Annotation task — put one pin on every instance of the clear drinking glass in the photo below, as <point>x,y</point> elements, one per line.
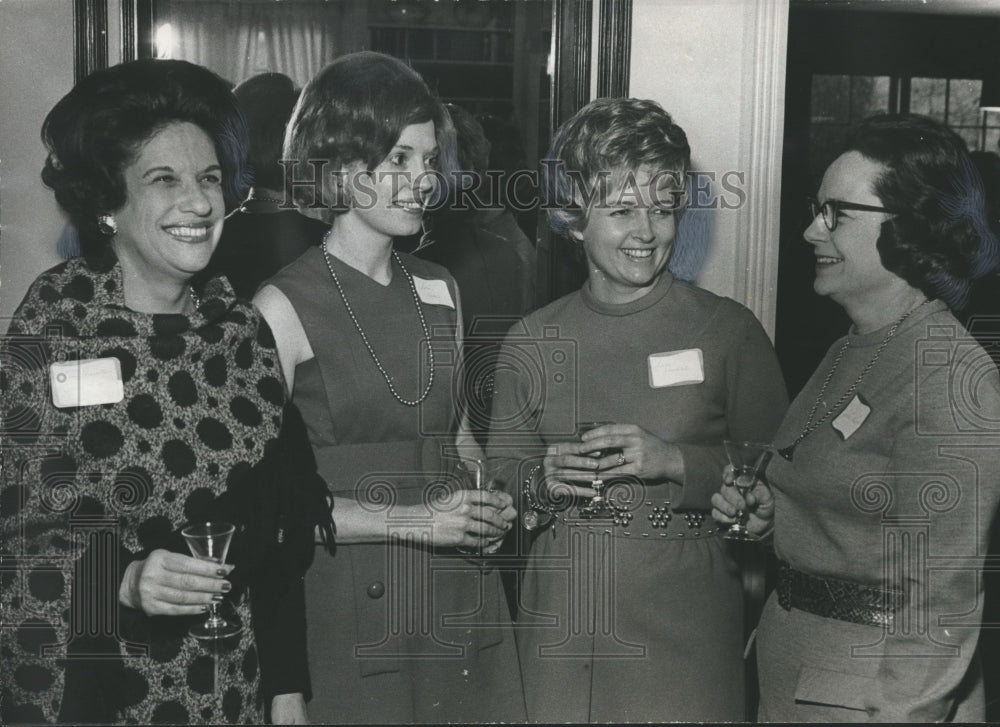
<point>478,474</point>
<point>749,461</point>
<point>598,507</point>
<point>210,541</point>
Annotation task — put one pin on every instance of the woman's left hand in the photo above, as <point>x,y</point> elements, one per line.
<point>643,455</point>
<point>289,709</point>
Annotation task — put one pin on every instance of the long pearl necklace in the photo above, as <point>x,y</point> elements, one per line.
<point>364,338</point>
<point>810,426</point>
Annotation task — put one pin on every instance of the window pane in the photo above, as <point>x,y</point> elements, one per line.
<point>825,144</point>
<point>992,140</point>
<point>927,97</point>
<point>971,135</point>
<point>830,99</point>
<point>869,95</point>
<point>963,102</point>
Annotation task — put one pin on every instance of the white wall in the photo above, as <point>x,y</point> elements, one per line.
<point>718,67</point>
<point>36,70</point>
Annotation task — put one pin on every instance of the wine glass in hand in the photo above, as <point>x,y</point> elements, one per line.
<point>597,508</point>
<point>749,460</point>
<point>210,541</point>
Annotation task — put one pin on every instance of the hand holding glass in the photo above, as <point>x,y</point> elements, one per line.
<point>749,460</point>
<point>479,474</point>
<point>210,541</point>
<point>597,508</point>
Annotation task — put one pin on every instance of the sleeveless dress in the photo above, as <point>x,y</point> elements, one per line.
<point>399,632</point>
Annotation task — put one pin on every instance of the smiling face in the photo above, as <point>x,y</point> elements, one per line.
<point>848,267</point>
<point>390,201</point>
<point>628,237</point>
<point>172,217</point>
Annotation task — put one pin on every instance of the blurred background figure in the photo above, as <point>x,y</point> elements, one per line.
<point>264,234</point>
<point>478,240</point>
<point>507,154</point>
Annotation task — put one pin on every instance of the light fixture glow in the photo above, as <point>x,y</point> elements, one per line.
<point>166,41</point>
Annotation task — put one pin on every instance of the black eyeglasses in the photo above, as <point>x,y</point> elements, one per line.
<point>831,207</point>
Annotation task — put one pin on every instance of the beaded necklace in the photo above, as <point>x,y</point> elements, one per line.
<point>364,338</point>
<point>789,451</point>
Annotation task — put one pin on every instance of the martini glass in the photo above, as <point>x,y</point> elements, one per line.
<point>210,541</point>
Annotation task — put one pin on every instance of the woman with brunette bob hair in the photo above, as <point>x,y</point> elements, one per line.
<point>144,401</point>
<point>402,626</point>
<point>631,603</point>
<point>885,477</point>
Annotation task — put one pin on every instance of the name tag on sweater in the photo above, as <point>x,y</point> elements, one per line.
<point>433,292</point>
<point>87,382</point>
<point>853,416</point>
<point>676,368</point>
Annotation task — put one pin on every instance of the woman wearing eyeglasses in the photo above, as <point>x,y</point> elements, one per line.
<point>887,471</point>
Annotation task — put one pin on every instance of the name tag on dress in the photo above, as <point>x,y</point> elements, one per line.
<point>87,382</point>
<point>433,292</point>
<point>853,416</point>
<point>676,368</point>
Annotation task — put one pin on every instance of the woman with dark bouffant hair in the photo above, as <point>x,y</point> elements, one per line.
<point>886,476</point>
<point>142,402</point>
<point>402,626</point>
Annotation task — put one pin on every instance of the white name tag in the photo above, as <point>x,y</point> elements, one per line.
<point>433,292</point>
<point>87,382</point>
<point>853,416</point>
<point>676,368</point>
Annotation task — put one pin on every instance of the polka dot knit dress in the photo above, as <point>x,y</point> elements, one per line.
<point>88,489</point>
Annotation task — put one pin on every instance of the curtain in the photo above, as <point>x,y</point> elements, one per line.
<point>239,39</point>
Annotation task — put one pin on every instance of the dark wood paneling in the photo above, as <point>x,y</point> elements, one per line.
<point>615,48</point>
<point>90,37</point>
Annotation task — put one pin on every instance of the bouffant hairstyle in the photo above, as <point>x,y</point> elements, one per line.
<point>355,110</point>
<point>267,100</point>
<point>938,239</point>
<point>608,135</point>
<point>96,130</point>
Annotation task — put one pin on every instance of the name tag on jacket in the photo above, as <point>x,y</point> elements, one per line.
<point>87,382</point>
<point>433,292</point>
<point>676,368</point>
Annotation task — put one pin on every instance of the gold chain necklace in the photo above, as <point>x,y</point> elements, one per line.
<point>810,427</point>
<point>364,338</point>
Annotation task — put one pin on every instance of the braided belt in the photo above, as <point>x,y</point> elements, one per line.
<point>834,598</point>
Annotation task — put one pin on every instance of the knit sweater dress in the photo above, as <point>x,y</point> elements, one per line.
<point>896,488</point>
<point>640,622</point>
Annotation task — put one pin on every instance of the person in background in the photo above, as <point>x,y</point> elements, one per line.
<point>477,239</point>
<point>266,232</point>
<point>507,154</point>
<point>633,614</point>
<point>401,627</point>
<point>886,476</point>
<point>140,402</point>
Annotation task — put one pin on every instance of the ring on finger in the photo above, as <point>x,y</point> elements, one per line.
<point>621,459</point>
